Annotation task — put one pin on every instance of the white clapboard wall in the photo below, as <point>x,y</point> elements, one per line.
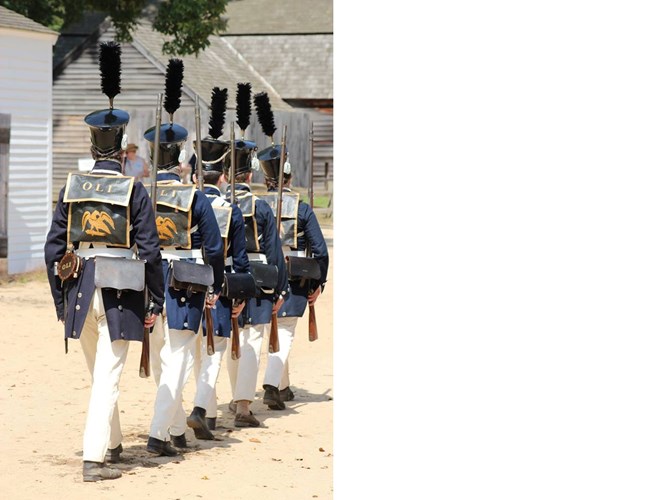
<point>26,95</point>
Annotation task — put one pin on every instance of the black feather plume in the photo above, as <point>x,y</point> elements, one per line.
<point>218,112</point>
<point>110,68</point>
<point>173,84</point>
<point>243,105</point>
<point>264,113</point>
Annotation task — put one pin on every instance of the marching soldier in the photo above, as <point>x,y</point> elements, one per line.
<point>189,236</point>
<point>301,234</point>
<point>299,231</point>
<point>231,225</point>
<point>267,266</point>
<point>95,278</point>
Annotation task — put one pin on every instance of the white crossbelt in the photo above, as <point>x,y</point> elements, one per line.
<point>195,253</point>
<point>105,252</point>
<point>294,253</point>
<point>257,257</point>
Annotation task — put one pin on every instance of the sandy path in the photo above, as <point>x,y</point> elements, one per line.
<point>44,396</point>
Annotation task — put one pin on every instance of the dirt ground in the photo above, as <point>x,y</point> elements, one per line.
<point>44,396</point>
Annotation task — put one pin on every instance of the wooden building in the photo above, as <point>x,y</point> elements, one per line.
<point>25,140</point>
<point>291,44</point>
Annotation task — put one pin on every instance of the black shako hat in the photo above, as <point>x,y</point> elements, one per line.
<point>171,151</point>
<point>269,159</point>
<point>213,153</point>
<point>172,142</point>
<point>107,126</point>
<point>213,149</point>
<point>243,158</point>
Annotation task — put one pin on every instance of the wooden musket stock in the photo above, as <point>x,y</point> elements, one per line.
<point>144,356</point>
<point>235,352</point>
<point>313,329</point>
<point>274,345</point>
<point>209,327</point>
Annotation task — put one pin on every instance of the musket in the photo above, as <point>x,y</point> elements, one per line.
<point>207,310</point>
<point>274,344</point>
<point>209,327</point>
<point>235,351</point>
<point>199,163</point>
<point>313,328</point>
<point>311,165</point>
<point>283,154</point>
<point>145,370</point>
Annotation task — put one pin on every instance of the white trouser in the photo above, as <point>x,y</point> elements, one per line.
<point>285,376</point>
<point>277,361</point>
<point>243,372</point>
<point>206,373</point>
<point>172,357</point>
<point>156,343</point>
<point>105,360</point>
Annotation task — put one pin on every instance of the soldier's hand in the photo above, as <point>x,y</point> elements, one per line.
<point>237,309</point>
<point>313,296</point>
<point>278,304</point>
<point>150,320</point>
<point>211,299</point>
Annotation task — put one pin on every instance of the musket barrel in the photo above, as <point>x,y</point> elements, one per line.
<point>311,165</point>
<point>199,162</point>
<point>156,147</point>
<point>283,154</point>
<point>233,159</point>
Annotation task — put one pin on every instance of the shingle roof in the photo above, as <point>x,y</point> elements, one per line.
<point>219,65</point>
<point>298,66</point>
<point>248,17</point>
<point>11,19</point>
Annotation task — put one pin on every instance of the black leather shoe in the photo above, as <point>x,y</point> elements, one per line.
<point>113,456</point>
<point>212,423</point>
<point>94,471</point>
<point>287,394</point>
<point>197,422</point>
<point>272,398</point>
<point>179,441</point>
<point>246,420</point>
<point>160,448</point>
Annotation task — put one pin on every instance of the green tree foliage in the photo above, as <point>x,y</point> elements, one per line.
<point>189,23</point>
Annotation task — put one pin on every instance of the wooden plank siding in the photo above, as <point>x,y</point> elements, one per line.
<point>323,151</point>
<point>27,96</point>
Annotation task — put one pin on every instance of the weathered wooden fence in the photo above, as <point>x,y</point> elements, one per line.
<point>5,133</point>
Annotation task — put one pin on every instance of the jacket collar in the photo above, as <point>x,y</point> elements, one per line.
<point>168,176</point>
<point>107,166</point>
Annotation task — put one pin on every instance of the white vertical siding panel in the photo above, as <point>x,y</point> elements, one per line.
<point>26,93</point>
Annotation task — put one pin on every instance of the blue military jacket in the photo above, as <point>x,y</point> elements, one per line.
<point>309,233</point>
<point>258,310</point>
<point>124,314</point>
<point>184,310</point>
<point>236,250</point>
